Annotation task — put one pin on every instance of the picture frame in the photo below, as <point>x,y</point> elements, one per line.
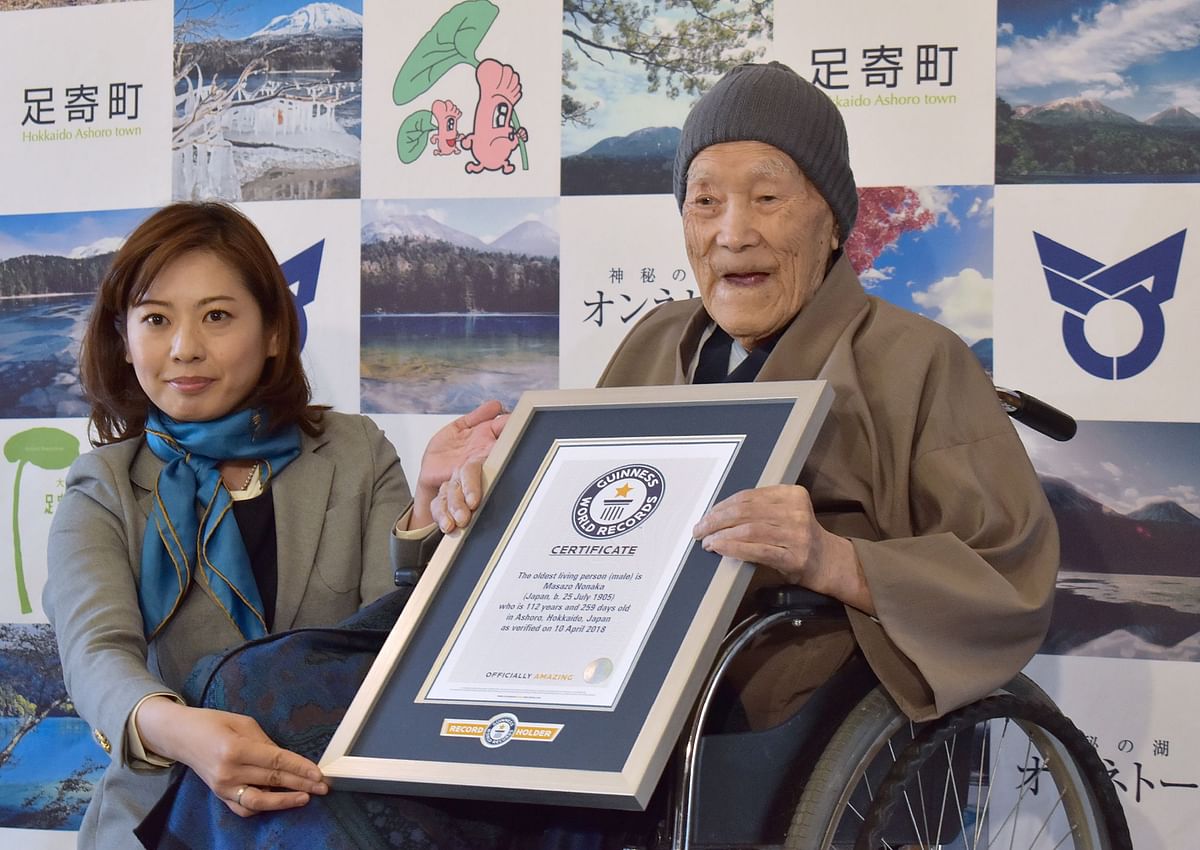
<point>552,651</point>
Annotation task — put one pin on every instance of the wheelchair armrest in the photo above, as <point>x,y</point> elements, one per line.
<point>407,576</point>
<point>802,601</point>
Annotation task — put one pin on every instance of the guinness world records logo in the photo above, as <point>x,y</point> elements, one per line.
<point>500,730</point>
<point>618,501</point>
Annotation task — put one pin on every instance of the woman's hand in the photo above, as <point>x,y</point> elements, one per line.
<point>231,754</point>
<point>466,440</point>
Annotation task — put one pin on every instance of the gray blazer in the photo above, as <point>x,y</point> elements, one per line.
<point>335,507</point>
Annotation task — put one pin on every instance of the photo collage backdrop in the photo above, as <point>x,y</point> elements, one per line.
<point>1027,175</point>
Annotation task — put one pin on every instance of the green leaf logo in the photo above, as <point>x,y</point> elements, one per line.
<point>45,448</point>
<point>413,137</point>
<point>453,40</point>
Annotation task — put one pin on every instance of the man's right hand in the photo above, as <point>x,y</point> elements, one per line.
<point>458,497</point>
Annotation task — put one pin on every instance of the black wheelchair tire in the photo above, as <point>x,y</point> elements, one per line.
<point>876,730</point>
<point>866,733</point>
<point>1092,817</point>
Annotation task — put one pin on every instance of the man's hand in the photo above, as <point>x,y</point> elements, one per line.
<point>458,497</point>
<point>465,441</point>
<point>775,527</point>
<point>232,755</point>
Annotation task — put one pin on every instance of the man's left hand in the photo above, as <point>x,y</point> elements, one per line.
<point>776,527</point>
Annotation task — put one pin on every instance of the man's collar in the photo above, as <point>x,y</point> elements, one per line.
<point>805,342</point>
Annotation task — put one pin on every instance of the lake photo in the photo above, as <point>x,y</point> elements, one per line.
<point>39,344</point>
<point>51,265</point>
<point>459,303</point>
<point>49,761</point>
<point>1126,497</point>
<point>450,363</point>
<point>33,791</point>
<point>1126,616</point>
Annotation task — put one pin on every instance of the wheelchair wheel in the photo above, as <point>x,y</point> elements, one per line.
<point>1009,771</point>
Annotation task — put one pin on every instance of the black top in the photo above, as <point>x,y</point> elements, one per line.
<point>713,365</point>
<point>256,520</point>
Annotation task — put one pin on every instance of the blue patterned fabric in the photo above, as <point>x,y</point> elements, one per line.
<point>297,685</point>
<point>177,542</point>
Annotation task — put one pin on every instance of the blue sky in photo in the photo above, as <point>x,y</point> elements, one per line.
<point>944,272</point>
<point>1038,15</point>
<point>619,86</point>
<point>1136,56</point>
<point>483,218</point>
<point>1125,465</point>
<point>240,18</point>
<point>58,234</point>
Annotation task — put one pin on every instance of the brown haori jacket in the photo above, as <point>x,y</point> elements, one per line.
<point>918,465</point>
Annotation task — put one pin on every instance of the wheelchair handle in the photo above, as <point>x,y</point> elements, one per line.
<point>1041,417</point>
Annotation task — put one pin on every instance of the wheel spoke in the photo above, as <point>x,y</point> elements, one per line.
<point>912,817</point>
<point>987,801</point>
<point>1050,814</point>
<point>950,785</point>
<point>982,797</point>
<point>921,801</point>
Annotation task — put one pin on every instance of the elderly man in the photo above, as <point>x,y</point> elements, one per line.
<point>918,507</point>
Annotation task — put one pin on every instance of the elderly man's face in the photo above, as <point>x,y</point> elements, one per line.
<point>759,236</point>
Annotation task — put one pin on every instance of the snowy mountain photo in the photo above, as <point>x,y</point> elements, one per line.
<point>268,102</point>
<point>328,19</point>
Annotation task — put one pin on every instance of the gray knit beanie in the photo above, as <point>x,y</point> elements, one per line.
<point>773,104</point>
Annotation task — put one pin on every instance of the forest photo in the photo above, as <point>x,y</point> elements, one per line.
<point>632,70</point>
<point>1097,91</point>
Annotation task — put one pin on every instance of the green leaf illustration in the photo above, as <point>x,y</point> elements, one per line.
<point>452,41</point>
<point>46,448</point>
<point>413,136</point>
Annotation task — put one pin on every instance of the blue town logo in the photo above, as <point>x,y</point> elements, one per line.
<point>1144,281</point>
<point>618,501</point>
<point>303,271</point>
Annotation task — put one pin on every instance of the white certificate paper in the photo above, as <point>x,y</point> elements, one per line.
<point>564,609</point>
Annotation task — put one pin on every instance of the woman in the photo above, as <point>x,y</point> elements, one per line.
<point>219,507</point>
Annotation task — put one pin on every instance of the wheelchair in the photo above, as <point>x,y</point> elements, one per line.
<point>851,772</point>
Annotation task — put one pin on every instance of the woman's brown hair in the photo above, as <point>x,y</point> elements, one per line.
<point>119,405</point>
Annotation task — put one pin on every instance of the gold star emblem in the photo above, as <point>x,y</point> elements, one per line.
<point>623,490</point>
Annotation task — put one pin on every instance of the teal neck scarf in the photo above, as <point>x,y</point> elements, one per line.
<point>191,525</point>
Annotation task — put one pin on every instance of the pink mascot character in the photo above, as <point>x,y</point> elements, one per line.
<point>445,140</point>
<point>493,138</point>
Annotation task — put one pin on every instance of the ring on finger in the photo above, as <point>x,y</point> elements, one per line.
<point>237,798</point>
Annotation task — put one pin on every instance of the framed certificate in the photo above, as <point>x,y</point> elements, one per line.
<point>552,652</point>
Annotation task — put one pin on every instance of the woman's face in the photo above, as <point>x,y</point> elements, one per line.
<point>196,339</point>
